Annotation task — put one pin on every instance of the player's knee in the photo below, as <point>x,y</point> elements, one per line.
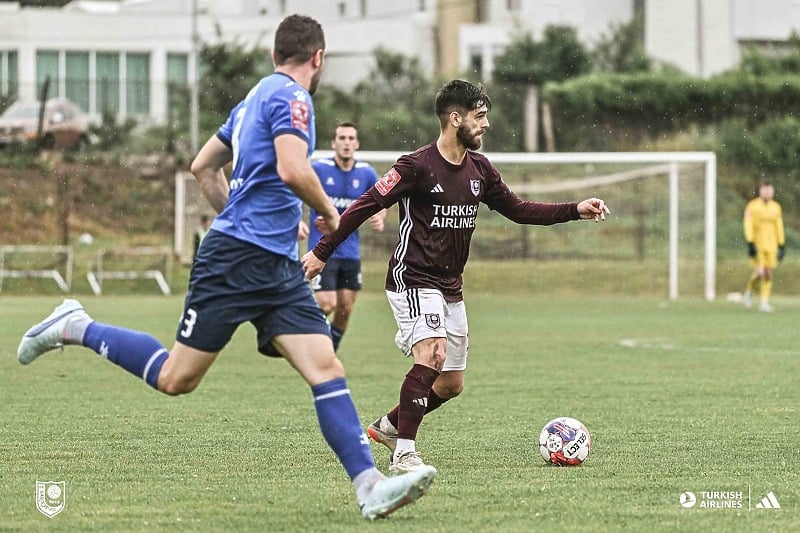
<point>431,352</point>
<point>173,385</point>
<point>326,307</point>
<point>450,391</point>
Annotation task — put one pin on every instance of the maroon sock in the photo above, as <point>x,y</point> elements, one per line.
<point>434,401</point>
<point>414,400</point>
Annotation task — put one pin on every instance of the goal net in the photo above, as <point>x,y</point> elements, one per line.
<point>663,217</point>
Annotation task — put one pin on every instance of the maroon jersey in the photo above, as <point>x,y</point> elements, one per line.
<point>438,204</point>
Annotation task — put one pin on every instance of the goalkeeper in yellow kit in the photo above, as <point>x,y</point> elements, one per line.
<point>763,230</point>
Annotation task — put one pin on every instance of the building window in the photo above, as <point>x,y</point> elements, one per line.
<point>476,59</point>
<point>137,84</point>
<point>342,9</point>
<point>513,5</point>
<point>47,69</point>
<point>9,74</point>
<point>107,83</point>
<point>483,12</point>
<point>177,85</point>
<point>76,68</point>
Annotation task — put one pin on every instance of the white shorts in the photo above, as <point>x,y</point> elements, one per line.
<point>424,314</point>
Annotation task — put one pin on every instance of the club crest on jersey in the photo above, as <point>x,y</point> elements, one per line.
<point>433,320</point>
<point>301,114</point>
<point>356,183</point>
<point>475,187</point>
<point>387,182</point>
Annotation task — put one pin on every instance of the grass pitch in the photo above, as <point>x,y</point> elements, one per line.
<point>686,396</point>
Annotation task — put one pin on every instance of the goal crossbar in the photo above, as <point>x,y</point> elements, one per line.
<point>669,164</point>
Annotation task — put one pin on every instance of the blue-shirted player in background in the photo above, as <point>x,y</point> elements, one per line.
<point>344,179</point>
<point>247,268</point>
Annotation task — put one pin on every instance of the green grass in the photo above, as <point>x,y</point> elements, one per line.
<point>685,396</point>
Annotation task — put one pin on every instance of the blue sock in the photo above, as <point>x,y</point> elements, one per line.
<point>138,353</point>
<point>341,427</point>
<point>336,336</point>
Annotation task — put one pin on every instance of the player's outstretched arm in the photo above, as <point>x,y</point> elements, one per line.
<point>207,169</point>
<point>593,208</point>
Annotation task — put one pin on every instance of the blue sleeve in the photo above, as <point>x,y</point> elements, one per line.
<point>225,132</point>
<point>291,111</point>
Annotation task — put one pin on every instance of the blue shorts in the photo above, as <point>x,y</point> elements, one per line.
<point>339,274</point>
<point>232,282</point>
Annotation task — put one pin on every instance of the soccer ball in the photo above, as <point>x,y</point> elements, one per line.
<point>565,442</point>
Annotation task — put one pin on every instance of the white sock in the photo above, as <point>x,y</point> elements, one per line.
<point>364,482</point>
<point>75,328</point>
<point>404,445</point>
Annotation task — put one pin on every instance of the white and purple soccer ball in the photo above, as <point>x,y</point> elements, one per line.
<point>565,441</point>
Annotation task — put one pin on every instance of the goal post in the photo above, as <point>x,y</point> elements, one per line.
<point>190,205</point>
<point>645,165</point>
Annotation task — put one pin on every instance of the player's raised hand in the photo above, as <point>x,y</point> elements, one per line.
<point>327,224</point>
<point>593,208</point>
<point>311,265</point>
<point>302,231</point>
<point>376,220</point>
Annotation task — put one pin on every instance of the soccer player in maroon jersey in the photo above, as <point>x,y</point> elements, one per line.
<point>438,189</point>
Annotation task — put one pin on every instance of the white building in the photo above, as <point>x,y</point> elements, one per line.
<point>707,37</point>
<point>125,55</point>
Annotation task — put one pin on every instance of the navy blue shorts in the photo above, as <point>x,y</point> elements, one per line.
<point>232,282</point>
<point>339,274</point>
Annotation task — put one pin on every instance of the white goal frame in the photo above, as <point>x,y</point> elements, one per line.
<point>63,281</point>
<point>671,160</point>
<point>97,272</point>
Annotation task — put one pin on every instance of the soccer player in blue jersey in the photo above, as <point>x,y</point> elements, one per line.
<point>247,268</point>
<point>344,179</point>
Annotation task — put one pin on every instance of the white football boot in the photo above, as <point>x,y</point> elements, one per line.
<point>49,333</point>
<point>408,461</point>
<point>391,493</point>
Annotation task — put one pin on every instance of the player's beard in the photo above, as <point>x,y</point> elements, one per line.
<point>471,140</point>
<point>314,82</point>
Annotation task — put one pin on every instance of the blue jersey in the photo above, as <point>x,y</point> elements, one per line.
<point>343,188</point>
<point>262,209</point>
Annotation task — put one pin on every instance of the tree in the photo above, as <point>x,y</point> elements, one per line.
<point>393,106</point>
<point>557,57</point>
<point>228,71</point>
<point>526,65</point>
<point>622,50</point>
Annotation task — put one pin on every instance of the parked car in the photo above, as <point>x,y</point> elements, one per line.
<point>64,125</point>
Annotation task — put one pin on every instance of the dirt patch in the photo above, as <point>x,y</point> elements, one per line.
<point>56,200</point>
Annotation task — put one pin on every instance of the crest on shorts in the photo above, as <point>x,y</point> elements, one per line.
<point>51,497</point>
<point>433,320</point>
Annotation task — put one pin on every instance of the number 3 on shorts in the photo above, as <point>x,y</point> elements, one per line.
<point>189,321</point>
